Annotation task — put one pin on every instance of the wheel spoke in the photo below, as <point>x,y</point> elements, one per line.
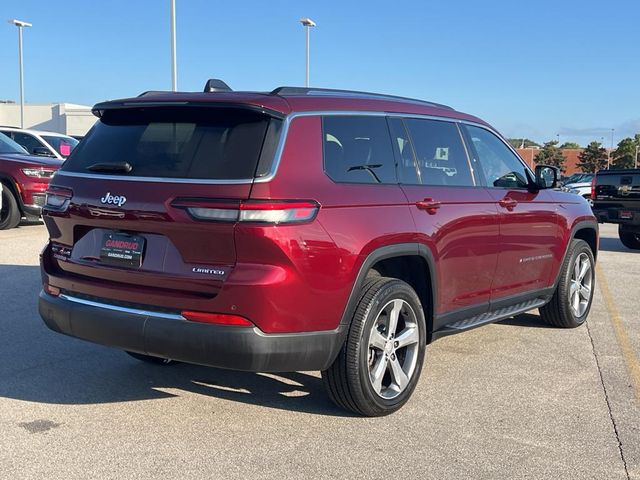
<point>576,270</point>
<point>584,268</point>
<point>576,303</point>
<point>393,317</point>
<point>575,286</point>
<point>377,340</point>
<point>377,373</point>
<point>399,377</point>
<point>585,292</point>
<point>408,336</point>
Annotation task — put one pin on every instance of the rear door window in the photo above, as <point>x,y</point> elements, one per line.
<point>357,149</point>
<point>181,143</point>
<point>440,153</point>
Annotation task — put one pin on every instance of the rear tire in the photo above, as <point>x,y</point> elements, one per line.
<point>379,365</point>
<point>10,211</point>
<point>629,239</point>
<point>571,302</point>
<point>151,359</point>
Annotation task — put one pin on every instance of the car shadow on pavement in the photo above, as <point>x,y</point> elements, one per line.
<point>526,320</point>
<point>38,365</point>
<point>609,244</point>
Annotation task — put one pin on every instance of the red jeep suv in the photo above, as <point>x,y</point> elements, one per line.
<point>305,229</point>
<point>24,179</point>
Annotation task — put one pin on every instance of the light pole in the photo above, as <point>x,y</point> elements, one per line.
<point>20,24</point>
<point>635,160</point>
<point>609,153</point>
<point>174,73</point>
<point>307,23</point>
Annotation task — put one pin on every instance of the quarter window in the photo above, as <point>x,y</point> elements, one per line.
<point>440,153</point>
<point>357,149</point>
<point>501,167</point>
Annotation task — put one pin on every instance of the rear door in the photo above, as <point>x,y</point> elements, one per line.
<point>452,211</point>
<point>148,187</point>
<point>530,235</point>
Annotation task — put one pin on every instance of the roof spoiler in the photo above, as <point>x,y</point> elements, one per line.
<point>216,85</point>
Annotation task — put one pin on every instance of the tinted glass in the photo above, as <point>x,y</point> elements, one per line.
<point>63,145</point>
<point>9,146</point>
<point>358,149</point>
<point>29,142</point>
<point>407,168</point>
<point>198,143</point>
<point>440,152</point>
<point>501,167</point>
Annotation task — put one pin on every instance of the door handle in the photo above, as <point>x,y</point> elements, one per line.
<point>429,205</point>
<point>508,203</point>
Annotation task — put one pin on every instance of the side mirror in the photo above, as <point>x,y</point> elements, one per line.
<point>547,176</point>
<point>42,152</point>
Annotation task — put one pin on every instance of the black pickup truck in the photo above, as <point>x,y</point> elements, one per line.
<point>616,199</point>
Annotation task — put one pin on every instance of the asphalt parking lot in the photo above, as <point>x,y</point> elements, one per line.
<point>511,400</point>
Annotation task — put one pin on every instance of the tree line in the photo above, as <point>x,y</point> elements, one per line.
<point>593,158</point>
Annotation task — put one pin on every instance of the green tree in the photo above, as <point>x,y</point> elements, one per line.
<point>550,154</point>
<point>625,155</point>
<point>592,158</point>
<point>522,142</point>
<point>569,145</point>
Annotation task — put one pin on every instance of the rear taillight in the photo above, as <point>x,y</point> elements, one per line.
<point>216,318</point>
<point>39,173</point>
<point>593,188</point>
<point>58,199</point>
<point>251,211</point>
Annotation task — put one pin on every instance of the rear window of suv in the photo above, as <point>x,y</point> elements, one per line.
<point>184,143</point>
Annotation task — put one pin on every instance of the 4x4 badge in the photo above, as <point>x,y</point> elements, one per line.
<point>109,199</point>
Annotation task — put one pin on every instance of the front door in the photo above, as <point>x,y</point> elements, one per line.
<point>528,220</point>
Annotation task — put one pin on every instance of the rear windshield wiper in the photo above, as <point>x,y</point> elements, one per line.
<point>368,169</point>
<point>113,167</point>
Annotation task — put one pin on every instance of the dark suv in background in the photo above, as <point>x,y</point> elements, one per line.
<point>24,179</point>
<point>305,229</point>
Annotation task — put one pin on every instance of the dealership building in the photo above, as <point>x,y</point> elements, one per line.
<point>67,118</point>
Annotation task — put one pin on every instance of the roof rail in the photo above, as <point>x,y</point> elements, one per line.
<point>351,93</point>
<point>154,92</point>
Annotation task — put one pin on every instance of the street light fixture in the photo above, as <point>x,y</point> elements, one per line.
<point>307,23</point>
<point>174,72</point>
<point>20,24</point>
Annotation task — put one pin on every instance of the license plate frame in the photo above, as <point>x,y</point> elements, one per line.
<point>122,249</point>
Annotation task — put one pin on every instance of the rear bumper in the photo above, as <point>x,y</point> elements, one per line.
<point>171,336</point>
<point>612,215</point>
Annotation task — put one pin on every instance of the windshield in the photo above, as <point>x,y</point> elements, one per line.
<point>194,143</point>
<point>62,145</point>
<point>9,146</point>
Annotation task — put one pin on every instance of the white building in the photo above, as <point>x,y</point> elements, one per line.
<point>67,118</point>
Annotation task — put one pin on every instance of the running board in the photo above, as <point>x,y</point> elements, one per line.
<point>488,317</point>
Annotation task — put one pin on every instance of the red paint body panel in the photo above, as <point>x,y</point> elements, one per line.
<point>11,171</point>
<point>462,235</point>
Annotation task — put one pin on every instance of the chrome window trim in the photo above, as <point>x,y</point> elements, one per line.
<point>281,145</point>
<point>134,311</point>
<point>356,113</point>
<point>203,181</point>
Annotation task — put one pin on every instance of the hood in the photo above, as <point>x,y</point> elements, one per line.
<point>32,160</point>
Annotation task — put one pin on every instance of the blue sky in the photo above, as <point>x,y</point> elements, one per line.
<point>531,69</point>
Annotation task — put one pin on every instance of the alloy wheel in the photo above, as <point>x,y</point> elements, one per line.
<point>581,284</point>
<point>393,349</point>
